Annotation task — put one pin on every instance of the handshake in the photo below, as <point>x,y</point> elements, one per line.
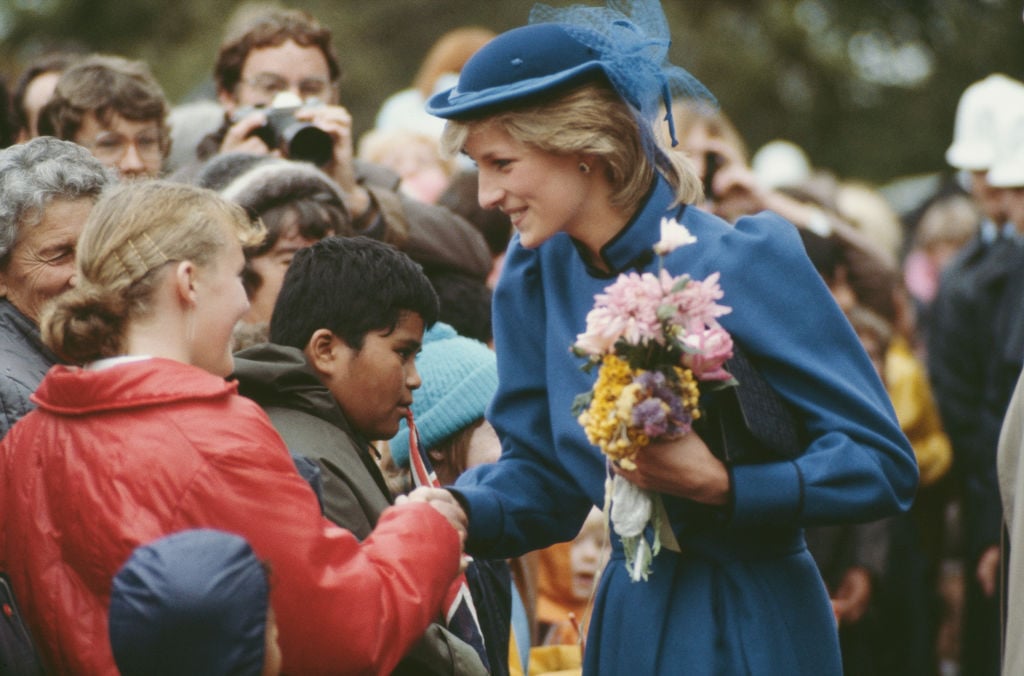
<point>444,502</point>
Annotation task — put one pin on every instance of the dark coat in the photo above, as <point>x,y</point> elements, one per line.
<point>312,424</point>
<point>964,351</point>
<point>24,360</point>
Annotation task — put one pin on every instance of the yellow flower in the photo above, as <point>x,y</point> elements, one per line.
<point>607,420</point>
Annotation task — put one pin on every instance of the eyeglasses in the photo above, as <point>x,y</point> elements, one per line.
<point>111,147</point>
<point>270,85</point>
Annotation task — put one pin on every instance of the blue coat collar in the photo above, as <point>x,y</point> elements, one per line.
<point>631,247</point>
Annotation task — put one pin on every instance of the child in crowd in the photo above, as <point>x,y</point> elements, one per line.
<point>339,372</point>
<point>194,602</point>
<point>415,156</point>
<point>568,575</point>
<point>459,377</point>
<point>298,204</point>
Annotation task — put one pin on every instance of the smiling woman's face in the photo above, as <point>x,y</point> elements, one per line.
<point>41,264</point>
<point>542,193</point>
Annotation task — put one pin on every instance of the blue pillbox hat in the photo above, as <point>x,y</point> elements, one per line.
<point>519,64</point>
<point>626,42</point>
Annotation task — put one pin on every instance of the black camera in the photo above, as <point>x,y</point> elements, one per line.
<point>295,139</point>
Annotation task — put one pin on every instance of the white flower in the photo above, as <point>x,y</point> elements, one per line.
<point>631,508</point>
<point>673,236</point>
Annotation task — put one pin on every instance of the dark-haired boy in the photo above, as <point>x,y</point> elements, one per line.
<point>338,373</point>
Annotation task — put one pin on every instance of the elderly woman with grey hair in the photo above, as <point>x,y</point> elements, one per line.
<point>47,189</point>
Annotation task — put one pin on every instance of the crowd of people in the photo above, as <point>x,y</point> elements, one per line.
<point>275,399</point>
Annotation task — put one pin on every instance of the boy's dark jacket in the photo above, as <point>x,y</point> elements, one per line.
<point>311,423</point>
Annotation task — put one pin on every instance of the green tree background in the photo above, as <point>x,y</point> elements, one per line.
<point>869,88</point>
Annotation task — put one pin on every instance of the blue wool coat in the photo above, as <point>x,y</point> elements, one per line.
<point>744,596</point>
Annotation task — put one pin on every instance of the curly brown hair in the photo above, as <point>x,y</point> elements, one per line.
<point>103,85</point>
<point>270,29</point>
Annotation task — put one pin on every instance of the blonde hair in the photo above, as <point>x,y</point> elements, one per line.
<point>379,145</point>
<point>865,208</point>
<point>952,219</point>
<point>592,120</point>
<point>134,230</point>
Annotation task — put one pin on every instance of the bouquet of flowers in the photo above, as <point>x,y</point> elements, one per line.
<point>654,338</point>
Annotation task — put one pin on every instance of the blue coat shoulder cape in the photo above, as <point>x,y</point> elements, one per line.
<point>744,596</point>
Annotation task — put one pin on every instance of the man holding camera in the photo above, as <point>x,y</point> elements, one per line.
<point>281,71</point>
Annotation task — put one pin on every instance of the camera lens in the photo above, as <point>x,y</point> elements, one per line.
<point>308,143</point>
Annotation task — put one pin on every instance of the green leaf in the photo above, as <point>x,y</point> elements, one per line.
<point>719,385</point>
<point>681,284</point>
<point>581,402</point>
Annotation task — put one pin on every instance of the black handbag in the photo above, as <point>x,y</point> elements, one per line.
<point>18,654</point>
<point>748,422</point>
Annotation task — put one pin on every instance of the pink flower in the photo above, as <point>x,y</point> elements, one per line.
<point>712,347</point>
<point>627,310</point>
<point>603,330</point>
<point>695,304</point>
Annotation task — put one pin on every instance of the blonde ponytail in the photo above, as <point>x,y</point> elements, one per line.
<point>132,233</point>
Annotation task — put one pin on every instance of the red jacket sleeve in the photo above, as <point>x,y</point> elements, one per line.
<point>341,606</point>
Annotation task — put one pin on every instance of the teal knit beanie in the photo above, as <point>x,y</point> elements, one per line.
<point>460,376</point>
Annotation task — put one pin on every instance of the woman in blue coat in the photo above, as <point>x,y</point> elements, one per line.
<point>560,118</point>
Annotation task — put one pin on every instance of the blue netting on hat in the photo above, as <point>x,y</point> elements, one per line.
<point>632,37</point>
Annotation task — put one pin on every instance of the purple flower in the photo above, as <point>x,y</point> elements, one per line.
<point>661,413</point>
<point>650,414</point>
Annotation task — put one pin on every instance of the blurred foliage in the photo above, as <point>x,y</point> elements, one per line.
<point>868,88</point>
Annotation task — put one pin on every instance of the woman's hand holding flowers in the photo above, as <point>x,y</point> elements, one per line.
<point>684,467</point>
<point>656,340</point>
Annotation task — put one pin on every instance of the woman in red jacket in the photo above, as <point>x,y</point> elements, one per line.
<point>149,439</point>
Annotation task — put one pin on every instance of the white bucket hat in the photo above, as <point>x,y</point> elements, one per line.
<point>984,109</point>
